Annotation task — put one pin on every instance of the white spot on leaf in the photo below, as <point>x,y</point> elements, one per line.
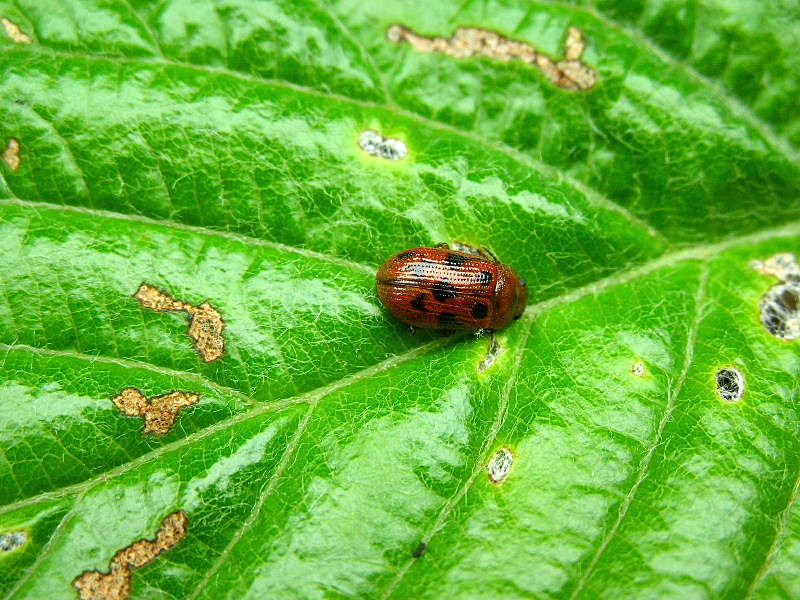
<point>12,540</point>
<point>374,144</point>
<point>14,32</point>
<point>500,465</point>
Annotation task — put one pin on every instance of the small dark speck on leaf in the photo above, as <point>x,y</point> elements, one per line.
<point>420,549</point>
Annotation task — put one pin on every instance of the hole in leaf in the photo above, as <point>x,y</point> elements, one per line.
<point>500,465</point>
<point>730,384</point>
<point>780,306</point>
<point>374,144</point>
<point>12,540</point>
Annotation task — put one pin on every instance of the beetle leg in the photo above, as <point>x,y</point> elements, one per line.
<point>413,329</point>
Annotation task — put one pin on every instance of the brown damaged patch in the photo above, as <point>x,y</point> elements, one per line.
<point>10,155</point>
<point>206,325</point>
<point>116,584</point>
<point>14,32</point>
<point>159,413</point>
<point>569,73</point>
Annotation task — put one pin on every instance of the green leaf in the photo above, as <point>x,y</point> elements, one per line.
<point>211,150</point>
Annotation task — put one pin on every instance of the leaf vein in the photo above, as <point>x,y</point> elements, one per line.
<point>644,467</point>
<point>591,194</point>
<point>736,106</point>
<point>483,458</point>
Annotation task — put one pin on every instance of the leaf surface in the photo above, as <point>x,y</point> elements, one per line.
<point>211,150</point>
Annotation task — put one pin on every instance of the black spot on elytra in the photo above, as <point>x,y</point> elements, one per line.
<point>419,303</point>
<point>480,310</point>
<point>484,277</point>
<point>443,291</point>
<point>455,260</point>
<point>403,255</point>
<point>447,319</point>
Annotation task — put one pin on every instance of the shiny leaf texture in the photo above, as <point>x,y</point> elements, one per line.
<point>211,149</point>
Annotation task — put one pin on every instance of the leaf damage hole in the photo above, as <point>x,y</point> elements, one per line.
<point>730,384</point>
<point>374,144</point>
<point>159,413</point>
<point>639,369</point>
<point>12,540</point>
<point>206,325</point>
<point>14,32</point>
<point>492,354</point>
<point>11,156</point>
<point>570,73</point>
<point>116,584</point>
<point>780,306</point>
<point>500,465</point>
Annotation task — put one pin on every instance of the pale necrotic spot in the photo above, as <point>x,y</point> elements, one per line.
<point>10,155</point>
<point>12,540</point>
<point>14,32</point>
<point>500,465</point>
<point>570,73</point>
<point>780,306</point>
<point>116,584</point>
<point>374,144</point>
<point>206,326</point>
<point>159,413</point>
<point>492,354</point>
<point>639,368</point>
<point>730,384</point>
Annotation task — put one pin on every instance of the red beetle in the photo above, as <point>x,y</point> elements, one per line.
<point>440,288</point>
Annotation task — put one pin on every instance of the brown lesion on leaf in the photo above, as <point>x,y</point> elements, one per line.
<point>206,325</point>
<point>12,540</point>
<point>570,73</point>
<point>159,413</point>
<point>14,32</point>
<point>116,584</point>
<point>11,156</point>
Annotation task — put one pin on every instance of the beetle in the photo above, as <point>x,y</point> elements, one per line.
<point>440,288</point>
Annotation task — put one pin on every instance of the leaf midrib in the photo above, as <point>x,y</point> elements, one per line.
<point>535,310</point>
